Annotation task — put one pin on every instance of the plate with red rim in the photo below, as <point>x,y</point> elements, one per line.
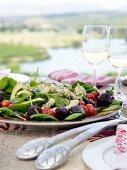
<point>98,155</point>
<point>59,124</point>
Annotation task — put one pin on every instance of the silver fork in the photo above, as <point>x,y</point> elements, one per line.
<point>32,149</point>
<point>57,155</point>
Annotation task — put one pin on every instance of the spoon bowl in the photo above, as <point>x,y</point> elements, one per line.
<point>32,149</point>
<point>58,155</point>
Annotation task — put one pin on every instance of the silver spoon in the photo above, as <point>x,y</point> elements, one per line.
<point>32,149</point>
<point>57,155</point>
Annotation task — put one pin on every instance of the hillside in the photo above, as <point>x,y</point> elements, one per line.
<point>68,22</point>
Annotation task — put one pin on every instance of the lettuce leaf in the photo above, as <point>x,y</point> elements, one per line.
<point>87,87</point>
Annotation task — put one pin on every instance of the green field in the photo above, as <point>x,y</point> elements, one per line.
<point>12,55</point>
<point>17,53</point>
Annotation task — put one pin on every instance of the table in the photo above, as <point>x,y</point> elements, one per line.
<point>10,141</point>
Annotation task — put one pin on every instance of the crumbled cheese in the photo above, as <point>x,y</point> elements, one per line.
<point>50,103</point>
<point>79,90</point>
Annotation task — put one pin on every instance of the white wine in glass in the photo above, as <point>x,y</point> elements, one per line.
<point>95,57</point>
<point>118,54</point>
<point>95,46</point>
<point>118,61</point>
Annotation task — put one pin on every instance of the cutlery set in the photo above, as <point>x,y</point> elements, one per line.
<point>51,154</point>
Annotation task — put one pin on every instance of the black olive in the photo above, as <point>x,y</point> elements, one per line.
<point>62,113</point>
<point>104,100</point>
<point>34,110</point>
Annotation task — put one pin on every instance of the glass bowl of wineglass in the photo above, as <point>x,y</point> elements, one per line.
<point>95,46</point>
<point>118,54</point>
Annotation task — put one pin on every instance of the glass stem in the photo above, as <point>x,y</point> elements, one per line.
<point>94,76</point>
<point>119,82</point>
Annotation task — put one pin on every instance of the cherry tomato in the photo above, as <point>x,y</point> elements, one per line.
<point>89,106</point>
<point>86,111</point>
<point>82,103</point>
<point>96,94</point>
<point>90,96</point>
<point>49,111</point>
<point>92,112</point>
<point>5,103</point>
<point>44,110</point>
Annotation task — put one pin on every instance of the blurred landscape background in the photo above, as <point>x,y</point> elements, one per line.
<point>48,34</point>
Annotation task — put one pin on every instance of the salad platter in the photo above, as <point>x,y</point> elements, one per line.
<point>52,105</point>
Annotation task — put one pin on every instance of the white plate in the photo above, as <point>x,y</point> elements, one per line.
<point>99,155</point>
<point>19,77</point>
<point>57,125</point>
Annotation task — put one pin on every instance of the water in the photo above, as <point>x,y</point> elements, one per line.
<point>69,58</point>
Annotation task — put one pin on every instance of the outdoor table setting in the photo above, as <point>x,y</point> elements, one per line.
<point>67,120</point>
<point>13,136</point>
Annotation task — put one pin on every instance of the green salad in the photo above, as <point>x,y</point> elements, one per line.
<point>46,101</point>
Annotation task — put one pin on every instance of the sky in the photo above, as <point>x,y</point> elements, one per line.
<point>27,7</point>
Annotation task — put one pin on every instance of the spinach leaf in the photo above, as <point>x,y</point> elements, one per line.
<point>11,85</point>
<point>36,91</point>
<point>37,94</point>
<point>44,97</point>
<point>3,83</point>
<point>59,101</point>
<point>87,87</point>
<point>8,113</point>
<point>33,83</point>
<point>7,84</point>
<point>43,117</point>
<point>74,116</point>
<point>19,98</point>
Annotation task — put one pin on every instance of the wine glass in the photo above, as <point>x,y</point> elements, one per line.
<point>95,46</point>
<point>118,54</point>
